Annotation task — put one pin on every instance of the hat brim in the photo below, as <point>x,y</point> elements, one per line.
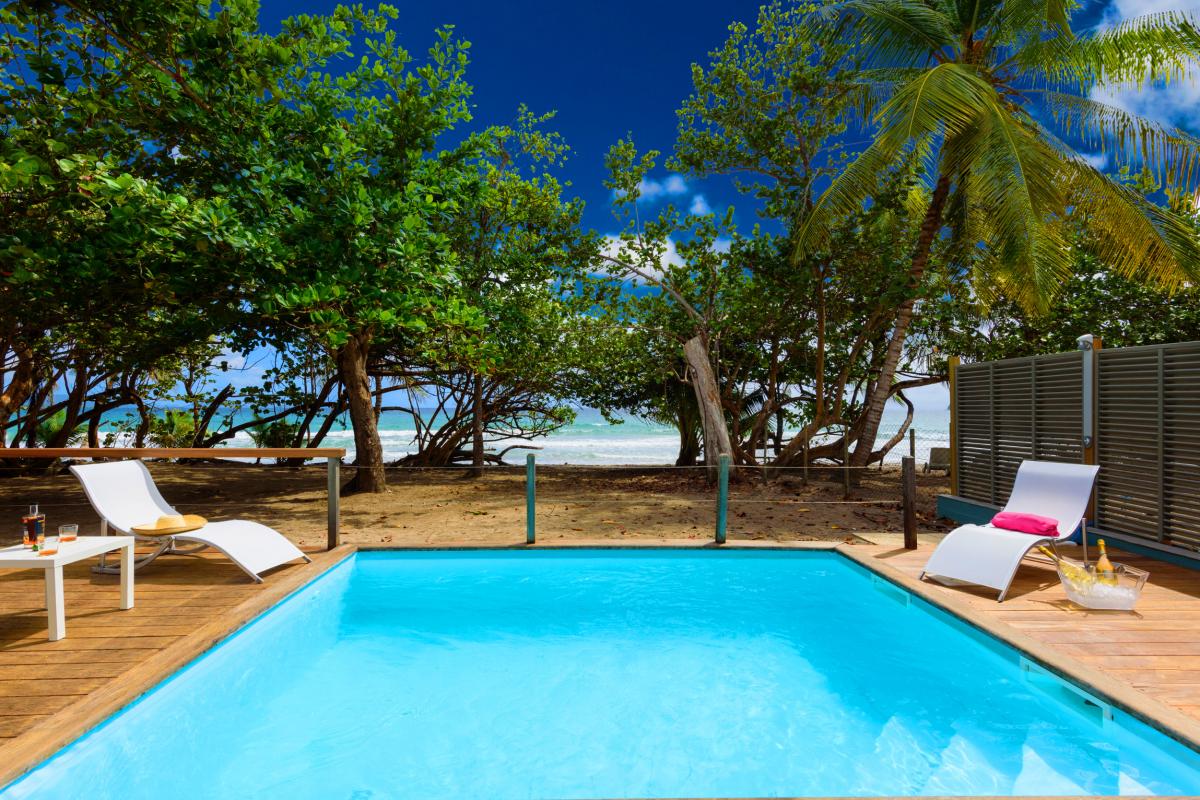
<point>191,522</point>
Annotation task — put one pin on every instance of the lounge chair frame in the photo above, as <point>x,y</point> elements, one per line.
<point>989,556</point>
<point>253,547</point>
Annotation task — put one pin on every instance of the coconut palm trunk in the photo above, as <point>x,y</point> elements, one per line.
<point>982,86</point>
<point>877,400</point>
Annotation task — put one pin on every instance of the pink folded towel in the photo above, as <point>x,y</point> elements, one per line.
<point>1026,523</point>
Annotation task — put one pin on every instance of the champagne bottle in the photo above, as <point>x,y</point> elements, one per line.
<point>1075,573</point>
<point>1106,573</point>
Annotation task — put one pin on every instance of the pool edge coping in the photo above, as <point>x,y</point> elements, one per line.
<point>1137,704</point>
<point>41,742</point>
<point>32,747</point>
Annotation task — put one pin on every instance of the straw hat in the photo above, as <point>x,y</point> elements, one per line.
<point>172,523</point>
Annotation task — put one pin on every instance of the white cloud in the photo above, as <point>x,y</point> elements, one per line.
<point>1097,160</point>
<point>675,184</point>
<point>1124,9</point>
<point>700,206</point>
<point>1177,104</point>
<point>671,186</point>
<point>613,249</point>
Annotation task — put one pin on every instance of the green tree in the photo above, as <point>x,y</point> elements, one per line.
<point>964,87</point>
<point>356,197</point>
<point>105,268</point>
<point>517,242</point>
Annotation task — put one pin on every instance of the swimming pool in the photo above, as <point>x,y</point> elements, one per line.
<point>609,673</point>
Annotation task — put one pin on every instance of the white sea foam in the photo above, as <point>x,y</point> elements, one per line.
<point>590,440</point>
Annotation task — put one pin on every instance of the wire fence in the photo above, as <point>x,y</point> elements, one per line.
<point>446,506</point>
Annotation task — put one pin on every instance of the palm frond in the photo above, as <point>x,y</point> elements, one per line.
<point>947,99</point>
<point>1169,152</point>
<point>873,88</point>
<point>895,32</point>
<point>845,195</point>
<point>975,15</point>
<point>1133,236</point>
<point>1013,184</point>
<point>1028,20</point>
<point>1162,47</point>
<point>943,101</point>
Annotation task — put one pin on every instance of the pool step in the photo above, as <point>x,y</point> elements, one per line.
<point>1066,692</point>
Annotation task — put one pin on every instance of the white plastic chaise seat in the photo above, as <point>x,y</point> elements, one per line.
<point>989,556</point>
<point>123,494</point>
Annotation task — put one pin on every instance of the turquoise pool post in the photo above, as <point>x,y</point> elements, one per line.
<point>722,498</point>
<point>530,498</point>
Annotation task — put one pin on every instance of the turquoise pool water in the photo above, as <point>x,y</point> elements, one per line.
<point>585,674</point>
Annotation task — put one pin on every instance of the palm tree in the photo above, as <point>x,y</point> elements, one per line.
<point>977,88</point>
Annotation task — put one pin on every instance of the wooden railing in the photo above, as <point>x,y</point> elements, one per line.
<point>332,455</point>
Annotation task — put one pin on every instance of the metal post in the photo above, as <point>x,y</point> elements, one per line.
<point>912,442</point>
<point>846,461</point>
<point>1089,344</point>
<point>334,496</point>
<point>530,498</point>
<point>953,369</point>
<point>722,497</point>
<point>908,472</point>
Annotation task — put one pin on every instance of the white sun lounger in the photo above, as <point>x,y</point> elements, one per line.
<point>123,494</point>
<point>989,556</point>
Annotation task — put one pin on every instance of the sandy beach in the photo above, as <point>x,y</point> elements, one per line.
<point>447,507</point>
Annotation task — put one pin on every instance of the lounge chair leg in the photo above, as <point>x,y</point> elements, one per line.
<point>115,569</point>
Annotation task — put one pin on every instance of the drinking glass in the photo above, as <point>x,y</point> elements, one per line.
<point>49,546</point>
<point>68,533</point>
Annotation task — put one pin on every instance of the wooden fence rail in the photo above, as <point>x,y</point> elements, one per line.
<point>332,455</point>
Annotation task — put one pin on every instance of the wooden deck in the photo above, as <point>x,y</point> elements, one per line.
<point>50,692</point>
<point>1148,658</point>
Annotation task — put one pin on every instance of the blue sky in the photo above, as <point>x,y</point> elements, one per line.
<point>607,68</point>
<point>623,66</point>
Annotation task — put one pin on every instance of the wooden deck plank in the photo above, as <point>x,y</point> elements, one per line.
<point>1154,649</point>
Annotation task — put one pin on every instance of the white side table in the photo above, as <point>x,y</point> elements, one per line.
<point>17,557</point>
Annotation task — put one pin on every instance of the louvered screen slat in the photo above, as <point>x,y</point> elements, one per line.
<point>1012,410</point>
<point>1147,409</point>
<point>1129,441</point>
<point>1057,404</point>
<point>973,404</point>
<point>1181,444</point>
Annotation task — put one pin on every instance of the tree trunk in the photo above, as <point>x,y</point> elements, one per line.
<point>20,386</point>
<point>881,391</point>
<point>708,398</point>
<point>368,451</point>
<point>74,405</point>
<point>93,431</point>
<point>689,440</point>
<point>477,427</point>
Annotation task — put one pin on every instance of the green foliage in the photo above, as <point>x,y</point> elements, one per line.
<point>174,428</point>
<point>961,86</point>
<point>280,433</point>
<point>49,429</point>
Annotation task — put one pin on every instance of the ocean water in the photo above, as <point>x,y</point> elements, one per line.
<point>589,674</point>
<point>591,440</point>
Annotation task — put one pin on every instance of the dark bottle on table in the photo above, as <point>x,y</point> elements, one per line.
<point>34,524</point>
